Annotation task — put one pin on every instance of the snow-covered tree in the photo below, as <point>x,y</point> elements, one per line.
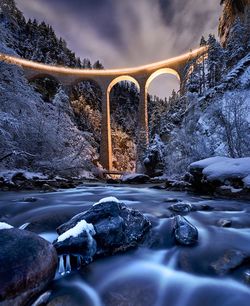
<point>236,43</point>
<point>215,62</point>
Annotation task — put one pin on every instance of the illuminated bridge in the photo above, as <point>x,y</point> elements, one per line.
<point>142,76</point>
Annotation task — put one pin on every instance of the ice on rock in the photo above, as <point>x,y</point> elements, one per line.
<point>61,269</point>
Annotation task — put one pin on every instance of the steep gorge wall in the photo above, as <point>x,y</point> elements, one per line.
<point>233,9</point>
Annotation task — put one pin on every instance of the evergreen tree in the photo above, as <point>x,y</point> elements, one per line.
<point>98,65</point>
<point>203,41</point>
<point>237,43</point>
<point>86,63</point>
<point>215,62</point>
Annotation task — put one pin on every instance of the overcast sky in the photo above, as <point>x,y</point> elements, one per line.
<point>128,32</point>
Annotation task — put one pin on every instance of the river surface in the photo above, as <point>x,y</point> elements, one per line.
<point>159,273</point>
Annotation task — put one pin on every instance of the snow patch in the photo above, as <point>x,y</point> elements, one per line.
<point>207,162</point>
<point>221,168</point>
<point>4,225</point>
<point>107,199</point>
<point>77,230</point>
<point>232,189</point>
<point>8,175</point>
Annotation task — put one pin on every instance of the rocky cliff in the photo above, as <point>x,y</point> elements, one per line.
<point>233,9</point>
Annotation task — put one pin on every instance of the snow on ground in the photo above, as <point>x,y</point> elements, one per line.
<point>4,225</point>
<point>222,168</point>
<point>107,199</point>
<point>9,174</point>
<point>81,226</point>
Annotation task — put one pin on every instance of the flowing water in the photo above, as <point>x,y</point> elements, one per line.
<point>163,274</point>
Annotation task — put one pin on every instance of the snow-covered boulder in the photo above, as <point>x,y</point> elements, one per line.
<point>106,228</point>
<point>78,240</point>
<point>221,174</point>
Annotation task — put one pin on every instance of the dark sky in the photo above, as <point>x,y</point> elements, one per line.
<point>127,32</point>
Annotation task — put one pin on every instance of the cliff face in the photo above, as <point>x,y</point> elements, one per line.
<point>232,9</point>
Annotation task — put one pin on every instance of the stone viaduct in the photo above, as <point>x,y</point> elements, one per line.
<point>142,76</point>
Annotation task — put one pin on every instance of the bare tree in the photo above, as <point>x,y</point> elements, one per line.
<point>233,117</point>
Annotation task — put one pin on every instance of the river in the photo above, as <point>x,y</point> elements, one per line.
<point>159,273</point>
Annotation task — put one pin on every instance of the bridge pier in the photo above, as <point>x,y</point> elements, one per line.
<point>142,129</point>
<point>106,144</point>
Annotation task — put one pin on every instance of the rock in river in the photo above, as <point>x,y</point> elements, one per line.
<point>28,264</point>
<point>181,207</point>
<point>231,260</point>
<point>135,178</point>
<point>108,227</point>
<point>185,233</point>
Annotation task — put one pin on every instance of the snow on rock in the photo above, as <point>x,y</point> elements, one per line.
<point>201,164</point>
<point>228,168</point>
<point>222,168</point>
<point>77,230</point>
<point>4,225</point>
<point>8,175</point>
<point>107,199</point>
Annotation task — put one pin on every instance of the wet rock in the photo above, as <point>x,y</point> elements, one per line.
<point>113,181</point>
<point>247,277</point>
<point>29,265</point>
<point>117,228</point>
<point>231,260</point>
<point>42,299</point>
<point>175,185</point>
<point>224,223</point>
<point>30,199</point>
<point>172,200</point>
<point>157,180</point>
<point>198,182</point>
<point>157,187</point>
<point>205,207</point>
<point>65,300</point>
<point>48,188</point>
<point>185,233</point>
<point>181,207</point>
<point>18,178</point>
<point>135,178</point>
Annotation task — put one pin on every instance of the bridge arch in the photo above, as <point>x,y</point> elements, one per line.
<point>106,113</point>
<point>39,75</point>
<point>90,79</point>
<point>160,72</point>
<point>45,84</point>
<point>127,78</point>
